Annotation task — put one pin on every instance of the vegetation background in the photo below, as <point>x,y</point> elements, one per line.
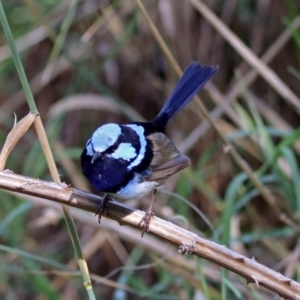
<point>92,62</point>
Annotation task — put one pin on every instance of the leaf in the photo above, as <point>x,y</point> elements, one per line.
<point>14,136</point>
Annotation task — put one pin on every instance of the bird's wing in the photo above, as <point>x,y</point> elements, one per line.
<point>167,160</point>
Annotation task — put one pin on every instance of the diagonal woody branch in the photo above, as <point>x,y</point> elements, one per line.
<point>187,241</point>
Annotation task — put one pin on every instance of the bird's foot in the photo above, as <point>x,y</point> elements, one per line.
<point>102,207</point>
<point>145,221</point>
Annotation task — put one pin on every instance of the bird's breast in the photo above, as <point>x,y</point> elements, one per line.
<point>137,187</point>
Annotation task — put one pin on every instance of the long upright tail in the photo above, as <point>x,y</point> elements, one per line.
<point>193,79</point>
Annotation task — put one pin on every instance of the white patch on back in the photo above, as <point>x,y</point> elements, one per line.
<point>140,132</point>
<point>137,188</point>
<point>89,148</point>
<point>124,151</point>
<point>105,136</point>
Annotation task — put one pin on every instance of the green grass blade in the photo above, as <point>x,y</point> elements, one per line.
<point>17,60</point>
<point>35,257</point>
<point>203,280</point>
<point>60,39</point>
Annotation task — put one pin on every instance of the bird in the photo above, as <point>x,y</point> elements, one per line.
<point>128,161</point>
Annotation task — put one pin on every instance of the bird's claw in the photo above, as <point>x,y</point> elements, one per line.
<point>145,221</point>
<point>102,207</point>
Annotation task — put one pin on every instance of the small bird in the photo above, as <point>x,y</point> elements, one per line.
<point>131,160</point>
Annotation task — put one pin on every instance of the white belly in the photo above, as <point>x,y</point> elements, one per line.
<point>137,188</point>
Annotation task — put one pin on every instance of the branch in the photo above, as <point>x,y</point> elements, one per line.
<point>187,241</point>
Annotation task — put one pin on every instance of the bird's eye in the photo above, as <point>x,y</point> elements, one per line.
<point>111,149</point>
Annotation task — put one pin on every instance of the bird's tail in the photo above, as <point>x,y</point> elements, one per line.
<point>193,79</point>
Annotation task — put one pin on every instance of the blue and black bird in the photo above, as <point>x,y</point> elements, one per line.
<point>131,160</point>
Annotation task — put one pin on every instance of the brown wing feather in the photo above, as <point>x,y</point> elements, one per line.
<point>170,168</point>
<point>167,160</point>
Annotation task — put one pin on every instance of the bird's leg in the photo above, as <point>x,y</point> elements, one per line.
<point>102,207</point>
<point>145,221</point>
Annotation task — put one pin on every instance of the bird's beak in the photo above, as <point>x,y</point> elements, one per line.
<point>95,157</point>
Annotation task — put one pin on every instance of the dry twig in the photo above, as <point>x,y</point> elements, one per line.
<point>187,241</point>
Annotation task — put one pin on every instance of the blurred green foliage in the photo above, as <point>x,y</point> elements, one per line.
<point>109,51</point>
